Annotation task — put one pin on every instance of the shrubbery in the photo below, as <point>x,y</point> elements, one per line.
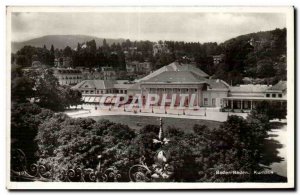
<point>236,145</point>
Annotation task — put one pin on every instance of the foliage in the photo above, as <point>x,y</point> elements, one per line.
<point>21,87</point>
<point>42,87</point>
<point>259,55</point>
<point>271,110</point>
<point>25,119</point>
<point>65,142</point>
<point>236,146</point>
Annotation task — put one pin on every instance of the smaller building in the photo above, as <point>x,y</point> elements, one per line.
<point>63,62</point>
<point>159,48</point>
<point>246,97</point>
<point>108,73</point>
<point>93,90</point>
<point>218,59</point>
<point>138,67</point>
<point>36,63</point>
<point>67,76</point>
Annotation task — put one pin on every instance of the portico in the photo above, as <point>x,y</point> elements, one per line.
<point>248,103</point>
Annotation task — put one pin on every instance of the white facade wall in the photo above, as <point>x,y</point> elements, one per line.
<point>214,98</point>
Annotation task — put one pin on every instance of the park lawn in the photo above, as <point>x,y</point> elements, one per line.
<point>137,122</point>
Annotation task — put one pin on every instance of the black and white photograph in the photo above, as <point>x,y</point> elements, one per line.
<point>150,97</point>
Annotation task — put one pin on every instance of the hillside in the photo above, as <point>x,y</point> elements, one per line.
<point>252,58</point>
<point>260,55</point>
<point>61,41</point>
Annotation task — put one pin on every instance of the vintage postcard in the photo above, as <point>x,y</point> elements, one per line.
<point>150,98</point>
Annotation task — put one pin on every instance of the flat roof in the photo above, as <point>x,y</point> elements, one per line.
<point>254,98</point>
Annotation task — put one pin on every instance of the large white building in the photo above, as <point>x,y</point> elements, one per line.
<point>176,79</point>
<point>67,76</point>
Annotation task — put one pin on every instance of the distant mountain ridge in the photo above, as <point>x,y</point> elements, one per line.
<point>61,41</point>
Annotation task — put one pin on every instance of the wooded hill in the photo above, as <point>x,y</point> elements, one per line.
<point>253,58</point>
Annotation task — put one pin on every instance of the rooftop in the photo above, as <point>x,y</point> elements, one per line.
<point>176,77</point>
<point>102,84</point>
<point>249,88</point>
<point>176,67</point>
<point>280,86</point>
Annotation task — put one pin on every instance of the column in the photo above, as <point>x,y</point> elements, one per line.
<point>241,104</point>
<point>197,97</point>
<point>251,104</point>
<point>231,104</point>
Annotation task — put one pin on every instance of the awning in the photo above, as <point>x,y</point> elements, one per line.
<point>91,100</point>
<point>113,100</point>
<point>97,99</point>
<point>102,100</point>
<point>86,99</point>
<point>108,100</point>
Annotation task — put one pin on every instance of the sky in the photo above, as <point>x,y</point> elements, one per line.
<point>180,26</point>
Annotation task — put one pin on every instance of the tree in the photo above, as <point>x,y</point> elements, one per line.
<point>25,119</point>
<point>21,86</point>
<point>236,146</point>
<point>47,91</point>
<point>265,68</point>
<point>67,51</point>
<point>69,96</point>
<point>52,56</point>
<point>272,110</point>
<point>67,143</point>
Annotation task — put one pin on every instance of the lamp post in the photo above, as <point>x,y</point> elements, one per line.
<point>162,170</point>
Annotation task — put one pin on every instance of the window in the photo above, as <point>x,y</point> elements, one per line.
<point>92,92</point>
<point>125,91</point>
<point>205,101</point>
<point>267,95</point>
<point>280,95</point>
<point>213,102</point>
<point>273,95</point>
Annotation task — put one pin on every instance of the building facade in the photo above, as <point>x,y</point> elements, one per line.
<point>67,76</point>
<point>246,97</point>
<point>159,48</point>
<point>108,73</point>
<point>93,90</point>
<point>138,67</point>
<point>178,79</point>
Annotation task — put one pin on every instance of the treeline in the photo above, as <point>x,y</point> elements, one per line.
<point>35,97</point>
<point>259,56</point>
<point>42,88</point>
